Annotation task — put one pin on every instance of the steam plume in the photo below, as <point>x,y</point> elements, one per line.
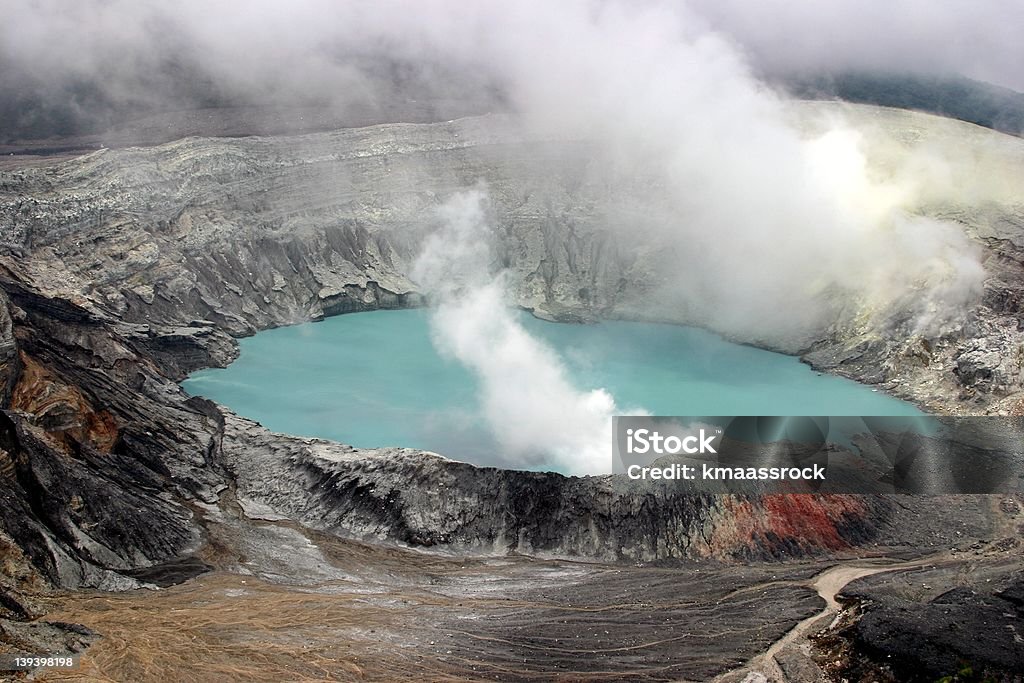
<point>536,414</point>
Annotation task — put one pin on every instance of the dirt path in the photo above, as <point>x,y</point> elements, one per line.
<point>828,584</point>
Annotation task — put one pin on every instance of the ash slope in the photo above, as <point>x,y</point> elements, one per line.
<point>124,270</point>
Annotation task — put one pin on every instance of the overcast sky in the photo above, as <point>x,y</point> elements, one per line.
<point>135,49</point>
<point>980,40</point>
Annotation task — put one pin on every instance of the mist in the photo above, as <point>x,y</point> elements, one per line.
<point>537,416</point>
<point>772,234</point>
<point>95,60</point>
<point>971,39</point>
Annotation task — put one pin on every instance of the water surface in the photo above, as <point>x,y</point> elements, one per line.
<point>375,379</point>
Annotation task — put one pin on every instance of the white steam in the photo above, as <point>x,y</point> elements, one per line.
<point>537,416</point>
<point>772,236</point>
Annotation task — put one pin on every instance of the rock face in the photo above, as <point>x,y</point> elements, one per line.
<point>977,369</point>
<point>978,366</point>
<point>85,433</point>
<point>420,499</point>
<point>935,623</point>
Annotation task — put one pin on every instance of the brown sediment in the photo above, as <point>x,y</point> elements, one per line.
<point>519,620</point>
<point>222,627</point>
<point>62,410</point>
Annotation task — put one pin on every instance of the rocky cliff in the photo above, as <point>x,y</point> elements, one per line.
<point>123,270</point>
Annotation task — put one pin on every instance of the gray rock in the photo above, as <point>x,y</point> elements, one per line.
<point>980,366</point>
<point>934,623</point>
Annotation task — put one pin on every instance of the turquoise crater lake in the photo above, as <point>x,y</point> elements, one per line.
<point>375,379</point>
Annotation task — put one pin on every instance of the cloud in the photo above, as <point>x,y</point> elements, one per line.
<point>977,40</point>
<point>92,56</point>
<point>766,235</point>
